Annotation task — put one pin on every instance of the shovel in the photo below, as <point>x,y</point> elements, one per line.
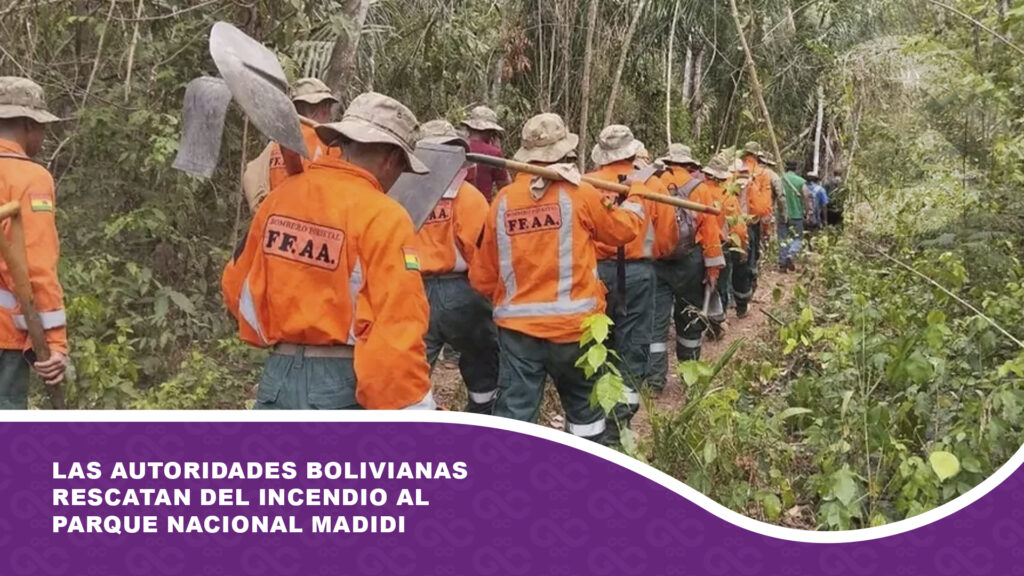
<point>252,76</point>
<point>14,255</point>
<point>420,193</point>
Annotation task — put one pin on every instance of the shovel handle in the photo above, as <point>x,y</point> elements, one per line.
<point>549,174</point>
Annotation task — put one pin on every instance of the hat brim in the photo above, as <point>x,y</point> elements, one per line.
<point>446,141</point>
<point>680,160</point>
<point>716,174</point>
<point>40,116</point>
<point>602,157</point>
<point>316,98</point>
<point>551,153</point>
<point>482,125</point>
<point>362,131</point>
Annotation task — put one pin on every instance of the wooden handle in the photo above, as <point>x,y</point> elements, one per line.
<point>550,174</point>
<point>9,210</point>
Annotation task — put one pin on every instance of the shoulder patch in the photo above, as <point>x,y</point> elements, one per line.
<point>412,259</point>
<point>40,202</point>
<point>303,242</point>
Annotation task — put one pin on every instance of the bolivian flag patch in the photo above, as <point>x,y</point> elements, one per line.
<point>412,259</point>
<point>40,202</point>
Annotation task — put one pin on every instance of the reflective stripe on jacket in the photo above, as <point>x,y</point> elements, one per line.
<point>24,181</point>
<point>537,260</point>
<point>330,260</point>
<point>448,238</point>
<point>658,236</point>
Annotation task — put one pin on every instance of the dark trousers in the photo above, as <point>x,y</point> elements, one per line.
<point>525,362</point>
<point>742,281</point>
<point>684,278</point>
<point>14,371</point>
<point>754,260</point>
<point>300,383</point>
<point>463,319</point>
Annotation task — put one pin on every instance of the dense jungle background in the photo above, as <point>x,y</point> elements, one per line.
<point>875,392</point>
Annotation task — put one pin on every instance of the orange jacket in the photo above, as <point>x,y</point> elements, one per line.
<point>759,191</point>
<point>659,233</point>
<point>708,226</point>
<point>448,238</point>
<point>317,149</point>
<point>330,260</point>
<point>537,261</point>
<point>24,181</point>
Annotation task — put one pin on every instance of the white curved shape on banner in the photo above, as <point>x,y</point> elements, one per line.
<point>550,434</point>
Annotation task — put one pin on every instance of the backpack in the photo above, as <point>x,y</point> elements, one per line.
<point>686,220</point>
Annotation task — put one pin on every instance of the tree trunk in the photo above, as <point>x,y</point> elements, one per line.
<point>627,41</point>
<point>542,88</point>
<point>697,95</point>
<point>668,75</point>
<point>755,83</point>
<point>568,17</point>
<point>498,70</point>
<point>341,71</point>
<point>817,129</point>
<point>687,69</point>
<point>585,82</point>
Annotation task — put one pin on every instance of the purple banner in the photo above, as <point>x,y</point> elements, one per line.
<point>413,498</point>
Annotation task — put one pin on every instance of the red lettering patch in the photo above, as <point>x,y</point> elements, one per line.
<point>535,219</point>
<point>303,242</point>
<point>276,159</point>
<point>442,213</point>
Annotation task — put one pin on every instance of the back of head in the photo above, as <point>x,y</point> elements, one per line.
<point>23,112</point>
<point>482,124</point>
<point>313,99</point>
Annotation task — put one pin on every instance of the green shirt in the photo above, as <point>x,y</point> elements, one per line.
<point>794,187</point>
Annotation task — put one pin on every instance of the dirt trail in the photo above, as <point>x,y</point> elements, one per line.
<point>451,394</point>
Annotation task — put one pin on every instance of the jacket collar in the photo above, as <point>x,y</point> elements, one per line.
<point>349,168</point>
<point>11,147</point>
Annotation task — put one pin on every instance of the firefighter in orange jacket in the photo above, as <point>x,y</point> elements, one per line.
<point>696,261</point>
<point>312,99</point>
<point>537,264</point>
<point>329,278</point>
<point>23,117</point>
<point>736,281</point>
<point>459,316</point>
<point>615,156</point>
<point>759,198</point>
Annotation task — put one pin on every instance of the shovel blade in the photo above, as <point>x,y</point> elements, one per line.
<point>644,174</point>
<point>206,106</point>
<point>420,193</point>
<point>256,80</point>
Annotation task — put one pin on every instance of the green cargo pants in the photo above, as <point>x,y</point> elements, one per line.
<point>463,319</point>
<point>632,332</point>
<point>525,361</point>
<point>300,383</point>
<point>685,278</point>
<point>14,371</point>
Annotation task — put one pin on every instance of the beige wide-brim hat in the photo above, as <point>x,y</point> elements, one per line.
<point>441,132</point>
<point>718,168</point>
<point>483,118</point>
<point>753,148</point>
<point>615,143</point>
<point>679,154</point>
<point>312,91</point>
<point>23,98</point>
<point>767,159</point>
<point>546,139</point>
<point>374,118</point>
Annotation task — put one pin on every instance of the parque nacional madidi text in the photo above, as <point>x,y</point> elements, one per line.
<point>69,501</point>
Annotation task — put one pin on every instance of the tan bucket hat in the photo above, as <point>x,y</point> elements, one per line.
<point>718,167</point>
<point>483,118</point>
<point>767,158</point>
<point>679,154</point>
<point>753,148</point>
<point>616,142</point>
<point>376,118</point>
<point>312,91</point>
<point>441,132</point>
<point>23,98</point>
<point>546,139</point>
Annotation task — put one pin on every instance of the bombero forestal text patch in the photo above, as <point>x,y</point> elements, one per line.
<point>533,219</point>
<point>303,242</point>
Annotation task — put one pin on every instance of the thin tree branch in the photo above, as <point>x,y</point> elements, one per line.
<point>974,21</point>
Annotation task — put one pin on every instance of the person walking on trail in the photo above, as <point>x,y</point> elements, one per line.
<point>696,261</point>
<point>631,306</point>
<point>328,277</point>
<point>312,99</point>
<point>537,264</point>
<point>459,316</point>
<point>718,173</point>
<point>817,217</point>
<point>736,282</point>
<point>485,138</point>
<point>759,203</point>
<point>791,229</point>
<point>681,177</point>
<point>23,121</point>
